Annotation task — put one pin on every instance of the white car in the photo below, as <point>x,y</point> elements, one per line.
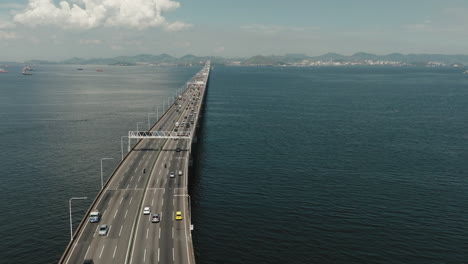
<point>103,230</point>
<point>146,211</point>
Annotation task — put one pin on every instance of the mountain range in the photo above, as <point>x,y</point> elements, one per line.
<point>411,59</point>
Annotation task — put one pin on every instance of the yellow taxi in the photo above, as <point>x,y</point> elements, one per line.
<point>178,215</point>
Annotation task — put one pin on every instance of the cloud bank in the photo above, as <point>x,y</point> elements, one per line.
<point>87,14</point>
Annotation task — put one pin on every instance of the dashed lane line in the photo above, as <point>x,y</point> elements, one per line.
<point>103,246</point>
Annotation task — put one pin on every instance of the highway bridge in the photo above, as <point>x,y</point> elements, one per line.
<point>143,179</point>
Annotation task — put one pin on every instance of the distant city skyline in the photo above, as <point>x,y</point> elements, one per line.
<point>49,30</point>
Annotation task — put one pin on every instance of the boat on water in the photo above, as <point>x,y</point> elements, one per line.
<point>3,70</point>
<point>26,70</point>
<point>79,69</point>
<point>99,70</point>
<point>465,72</point>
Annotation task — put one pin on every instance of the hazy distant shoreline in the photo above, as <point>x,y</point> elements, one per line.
<point>329,59</point>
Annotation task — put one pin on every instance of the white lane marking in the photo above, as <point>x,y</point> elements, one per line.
<point>154,190</point>
<point>131,178</point>
<point>108,232</point>
<point>104,213</point>
<point>172,232</point>
<point>158,253</point>
<point>115,249</point>
<point>130,200</point>
<point>144,256</point>
<point>152,201</point>
<point>147,231</point>
<point>120,232</point>
<point>127,186</point>
<point>173,255</point>
<point>87,251</point>
<point>102,250</point>
<point>160,231</point>
<point>139,178</point>
<point>135,170</point>
<point>121,200</point>
<point>116,213</point>
<point>162,202</point>
<point>126,214</point>
<point>109,201</point>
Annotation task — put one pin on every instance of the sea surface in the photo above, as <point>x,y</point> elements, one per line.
<point>295,165</point>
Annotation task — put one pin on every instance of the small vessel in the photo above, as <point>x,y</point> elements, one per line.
<point>79,69</point>
<point>465,72</point>
<point>26,70</point>
<point>3,70</point>
<point>99,70</point>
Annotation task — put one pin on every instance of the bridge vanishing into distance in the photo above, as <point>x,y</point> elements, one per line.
<point>153,174</point>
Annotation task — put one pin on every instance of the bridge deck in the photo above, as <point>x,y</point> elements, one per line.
<point>141,180</point>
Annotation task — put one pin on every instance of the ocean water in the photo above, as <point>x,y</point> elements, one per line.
<point>295,165</point>
<point>55,127</point>
<point>333,165</point>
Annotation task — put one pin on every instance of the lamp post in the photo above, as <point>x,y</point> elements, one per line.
<point>69,206</point>
<point>102,180</point>
<point>121,144</point>
<point>149,120</point>
<point>157,112</point>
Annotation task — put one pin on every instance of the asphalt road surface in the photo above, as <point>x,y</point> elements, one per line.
<point>132,237</point>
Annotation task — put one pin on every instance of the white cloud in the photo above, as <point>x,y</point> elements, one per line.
<point>5,24</point>
<point>4,35</point>
<point>219,49</point>
<point>177,26</point>
<point>87,14</point>
<point>90,41</point>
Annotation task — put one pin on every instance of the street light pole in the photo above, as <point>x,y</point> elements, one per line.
<point>149,121</point>
<point>69,206</point>
<point>121,144</point>
<point>157,113</point>
<point>102,180</point>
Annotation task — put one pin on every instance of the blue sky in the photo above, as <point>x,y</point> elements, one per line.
<point>238,28</point>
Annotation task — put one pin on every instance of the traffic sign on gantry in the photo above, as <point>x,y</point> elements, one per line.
<point>159,134</point>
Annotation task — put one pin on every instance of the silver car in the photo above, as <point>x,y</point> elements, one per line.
<point>155,218</point>
<point>103,230</point>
